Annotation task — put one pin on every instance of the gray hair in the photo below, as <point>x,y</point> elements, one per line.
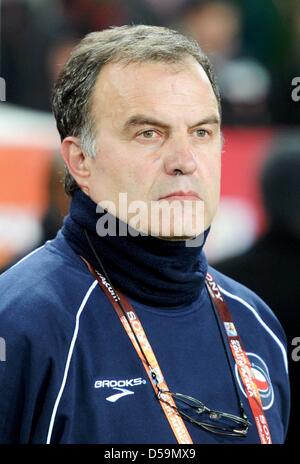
<point>127,44</point>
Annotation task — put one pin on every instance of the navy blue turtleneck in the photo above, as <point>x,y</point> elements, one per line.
<point>148,269</point>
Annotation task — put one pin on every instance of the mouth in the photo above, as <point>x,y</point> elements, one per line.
<point>180,195</point>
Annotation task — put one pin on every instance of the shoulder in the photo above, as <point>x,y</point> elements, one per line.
<point>44,288</point>
<point>252,314</point>
<point>265,344</point>
<point>246,298</point>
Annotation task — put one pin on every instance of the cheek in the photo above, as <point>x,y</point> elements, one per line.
<point>216,174</point>
<point>117,174</point>
<point>136,181</point>
<point>109,167</point>
<point>210,172</point>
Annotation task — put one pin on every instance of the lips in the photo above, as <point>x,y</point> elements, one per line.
<point>180,195</point>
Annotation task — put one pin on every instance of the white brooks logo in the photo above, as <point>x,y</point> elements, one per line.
<point>120,386</point>
<point>117,396</point>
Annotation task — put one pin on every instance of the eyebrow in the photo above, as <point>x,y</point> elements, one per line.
<point>143,120</point>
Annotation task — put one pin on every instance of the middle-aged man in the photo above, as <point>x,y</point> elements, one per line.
<point>116,331</point>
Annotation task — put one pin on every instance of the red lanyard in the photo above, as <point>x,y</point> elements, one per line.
<point>242,361</point>
<point>143,348</point>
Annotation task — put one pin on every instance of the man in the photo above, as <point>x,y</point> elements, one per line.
<point>119,334</point>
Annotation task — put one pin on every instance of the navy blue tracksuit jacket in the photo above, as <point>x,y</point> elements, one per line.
<point>71,375</point>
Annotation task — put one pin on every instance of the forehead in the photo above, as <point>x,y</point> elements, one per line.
<point>162,88</point>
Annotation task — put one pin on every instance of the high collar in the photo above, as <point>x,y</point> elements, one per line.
<point>150,270</point>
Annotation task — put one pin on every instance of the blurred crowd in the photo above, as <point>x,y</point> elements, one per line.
<point>253,45</point>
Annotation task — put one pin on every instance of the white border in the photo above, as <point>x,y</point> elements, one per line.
<point>27,256</point>
<point>70,353</point>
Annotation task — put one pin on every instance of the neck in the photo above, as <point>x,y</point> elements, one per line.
<point>150,270</point>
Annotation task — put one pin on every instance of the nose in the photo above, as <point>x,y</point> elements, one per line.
<point>180,158</point>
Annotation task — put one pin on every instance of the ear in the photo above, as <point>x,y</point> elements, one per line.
<point>76,161</point>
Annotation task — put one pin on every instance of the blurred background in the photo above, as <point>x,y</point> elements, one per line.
<point>254,46</point>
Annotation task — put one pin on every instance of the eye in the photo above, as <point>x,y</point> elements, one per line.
<point>201,133</point>
<point>147,134</point>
